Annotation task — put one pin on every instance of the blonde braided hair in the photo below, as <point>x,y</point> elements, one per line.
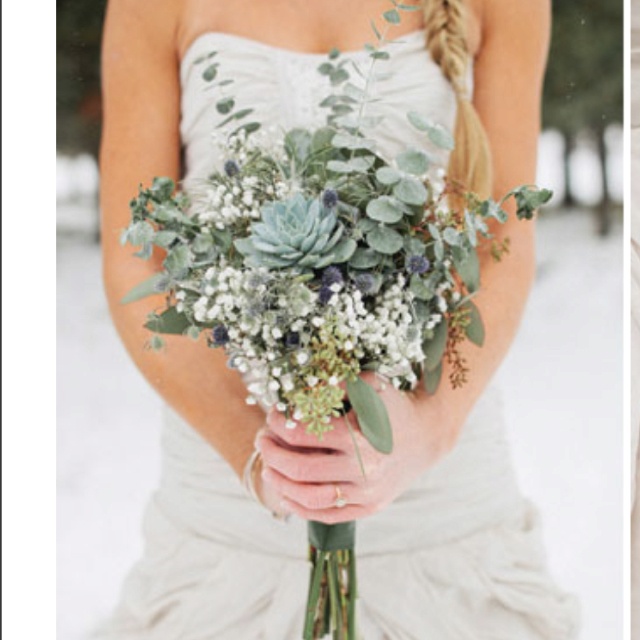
<point>445,26</point>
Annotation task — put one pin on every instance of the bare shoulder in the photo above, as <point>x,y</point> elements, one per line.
<point>524,23</point>
<point>141,26</point>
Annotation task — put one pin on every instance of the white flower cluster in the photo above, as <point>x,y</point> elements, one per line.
<point>266,323</point>
<point>229,197</point>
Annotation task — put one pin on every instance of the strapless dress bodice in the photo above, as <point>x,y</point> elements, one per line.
<point>285,89</point>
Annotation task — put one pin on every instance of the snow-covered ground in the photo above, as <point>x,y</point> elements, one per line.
<point>562,381</point>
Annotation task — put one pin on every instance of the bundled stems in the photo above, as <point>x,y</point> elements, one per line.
<point>331,604</point>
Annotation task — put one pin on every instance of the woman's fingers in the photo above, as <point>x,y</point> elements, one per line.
<point>307,466</point>
<point>328,516</point>
<point>313,497</point>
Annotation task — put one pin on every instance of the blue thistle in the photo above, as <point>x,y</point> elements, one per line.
<point>365,282</point>
<point>324,295</point>
<point>231,168</point>
<point>332,275</point>
<point>292,340</point>
<point>329,198</point>
<point>220,335</point>
<point>417,264</point>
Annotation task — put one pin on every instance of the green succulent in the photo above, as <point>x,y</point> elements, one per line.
<point>298,232</point>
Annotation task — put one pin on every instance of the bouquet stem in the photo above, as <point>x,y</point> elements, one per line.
<point>331,604</point>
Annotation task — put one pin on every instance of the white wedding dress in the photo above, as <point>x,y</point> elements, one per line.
<point>456,557</point>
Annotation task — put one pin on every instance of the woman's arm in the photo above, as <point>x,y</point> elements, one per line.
<point>508,73</point>
<point>141,140</point>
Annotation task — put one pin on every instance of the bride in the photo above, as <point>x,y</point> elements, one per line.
<point>447,546</point>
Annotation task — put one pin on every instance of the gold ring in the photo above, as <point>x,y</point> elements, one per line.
<point>340,500</point>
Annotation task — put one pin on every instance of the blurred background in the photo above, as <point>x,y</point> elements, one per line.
<point>562,379</point>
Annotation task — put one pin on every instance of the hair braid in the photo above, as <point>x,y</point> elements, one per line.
<point>445,25</point>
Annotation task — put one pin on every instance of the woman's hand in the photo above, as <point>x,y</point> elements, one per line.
<point>305,476</point>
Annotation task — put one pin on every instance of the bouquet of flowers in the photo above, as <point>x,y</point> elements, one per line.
<point>310,258</point>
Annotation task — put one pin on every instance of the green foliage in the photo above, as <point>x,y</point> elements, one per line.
<point>372,414</point>
<point>584,80</point>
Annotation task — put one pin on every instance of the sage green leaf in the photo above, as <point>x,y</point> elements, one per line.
<point>354,92</point>
<point>491,209</point>
<point>140,233</point>
<point>168,322</point>
<point>413,246</point>
<point>334,53</point>
<point>441,137</point>
<point>451,236</point>
<point>364,259</point>
<point>156,343</point>
<point>365,225</point>
<point>385,209</point>
<point>347,141</point>
<point>149,287</point>
<point>326,68</point>
<point>380,55</point>
<point>343,251</point>
<point>332,537</point>
<point>178,261</point>
<point>338,76</point>
<point>468,267</point>
<point>225,105</point>
<point>385,240</point>
<point>419,288</point>
<point>475,329</point>
<point>528,199</point>
<point>339,166</point>
<point>410,191</point>
<point>361,164</point>
<point>238,115</point>
<point>431,379</point>
<point>392,16</point>
<point>434,348</point>
<point>438,135</point>
<point>387,175</point>
<point>372,415</point>
<point>162,188</point>
<point>165,238</point>
<point>413,161</point>
<point>210,72</point>
<point>297,145</point>
<point>203,243</point>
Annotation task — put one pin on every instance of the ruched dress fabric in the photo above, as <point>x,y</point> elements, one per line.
<point>635,319</point>
<point>456,557</point>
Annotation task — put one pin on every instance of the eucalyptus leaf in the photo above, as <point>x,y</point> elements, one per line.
<point>387,175</point>
<point>468,267</point>
<point>385,240</point>
<point>451,236</point>
<point>372,415</point>
<point>410,191</point>
<point>413,161</point>
<point>431,379</point>
<point>441,137</point>
<point>157,283</point>
<point>168,322</point>
<point>225,105</point>
<point>434,347</point>
<point>178,261</point>
<point>343,251</point>
<point>385,209</point>
<point>392,16</point>
<point>165,238</point>
<point>475,329</point>
<point>210,72</point>
<point>419,288</point>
